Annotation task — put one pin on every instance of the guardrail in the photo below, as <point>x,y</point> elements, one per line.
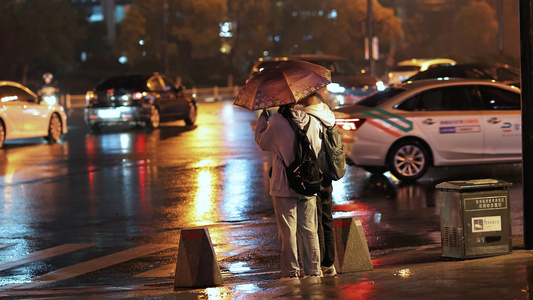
<point>202,95</point>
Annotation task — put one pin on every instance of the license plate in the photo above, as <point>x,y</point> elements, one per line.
<point>109,114</point>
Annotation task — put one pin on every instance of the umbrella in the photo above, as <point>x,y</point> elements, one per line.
<point>283,84</point>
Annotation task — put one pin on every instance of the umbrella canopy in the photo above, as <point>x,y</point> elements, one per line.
<point>283,84</point>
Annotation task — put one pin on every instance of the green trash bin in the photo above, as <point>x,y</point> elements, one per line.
<point>475,218</point>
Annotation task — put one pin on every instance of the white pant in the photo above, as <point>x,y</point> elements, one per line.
<point>298,216</point>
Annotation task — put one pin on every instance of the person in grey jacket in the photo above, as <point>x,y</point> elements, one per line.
<point>294,212</point>
<point>326,230</point>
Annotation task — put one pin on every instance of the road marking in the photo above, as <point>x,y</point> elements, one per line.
<point>170,269</point>
<point>39,255</point>
<point>164,271</point>
<point>91,265</point>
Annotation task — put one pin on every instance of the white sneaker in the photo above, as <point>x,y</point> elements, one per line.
<point>295,277</point>
<point>329,271</point>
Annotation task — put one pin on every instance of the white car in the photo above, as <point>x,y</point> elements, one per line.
<point>25,115</point>
<point>409,127</point>
<point>407,68</point>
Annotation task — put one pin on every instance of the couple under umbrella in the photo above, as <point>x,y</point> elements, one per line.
<point>299,217</point>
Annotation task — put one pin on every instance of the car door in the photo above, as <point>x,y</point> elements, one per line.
<point>451,122</point>
<point>11,111</point>
<point>156,88</point>
<point>35,116</point>
<point>502,120</point>
<point>175,104</point>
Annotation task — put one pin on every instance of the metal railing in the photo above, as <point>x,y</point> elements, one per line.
<point>202,95</point>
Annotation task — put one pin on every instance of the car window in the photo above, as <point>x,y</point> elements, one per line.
<point>440,65</point>
<point>154,84</point>
<point>169,84</point>
<point>11,93</point>
<point>499,99</point>
<point>379,97</point>
<point>452,98</point>
<point>137,82</point>
<point>265,65</point>
<point>503,74</point>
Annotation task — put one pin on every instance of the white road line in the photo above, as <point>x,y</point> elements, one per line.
<point>39,255</point>
<point>164,271</point>
<point>91,265</point>
<point>170,269</point>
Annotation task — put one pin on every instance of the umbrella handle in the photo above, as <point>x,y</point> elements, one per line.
<point>265,113</point>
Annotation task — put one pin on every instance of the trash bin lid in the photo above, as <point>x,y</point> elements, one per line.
<point>473,184</point>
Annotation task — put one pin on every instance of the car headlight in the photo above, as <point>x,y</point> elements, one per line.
<point>50,100</point>
<point>380,86</point>
<point>335,88</point>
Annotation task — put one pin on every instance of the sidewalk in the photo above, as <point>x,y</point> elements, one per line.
<point>414,274</point>
<point>418,274</point>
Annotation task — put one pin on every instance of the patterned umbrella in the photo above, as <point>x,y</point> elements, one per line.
<point>283,84</point>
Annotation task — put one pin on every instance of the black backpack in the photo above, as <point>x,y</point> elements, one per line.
<point>331,158</point>
<point>304,173</point>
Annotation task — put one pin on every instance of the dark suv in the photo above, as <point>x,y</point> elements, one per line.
<point>349,84</point>
<point>138,99</point>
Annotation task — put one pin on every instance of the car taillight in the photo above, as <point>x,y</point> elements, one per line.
<point>350,124</point>
<point>138,95</point>
<point>89,97</point>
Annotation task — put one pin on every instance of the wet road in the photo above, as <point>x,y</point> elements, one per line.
<point>106,209</point>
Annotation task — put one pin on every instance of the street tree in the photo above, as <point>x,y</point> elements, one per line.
<point>305,27</point>
<point>253,31</point>
<point>167,34</point>
<point>475,28</point>
<point>39,34</point>
<point>349,25</point>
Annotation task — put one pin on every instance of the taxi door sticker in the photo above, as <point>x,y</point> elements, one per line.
<point>403,124</point>
<point>459,126</point>
<point>486,224</point>
<point>507,127</point>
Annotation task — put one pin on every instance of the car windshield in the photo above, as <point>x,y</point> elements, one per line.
<point>379,97</point>
<point>405,68</point>
<point>338,67</point>
<point>123,82</point>
<point>266,65</point>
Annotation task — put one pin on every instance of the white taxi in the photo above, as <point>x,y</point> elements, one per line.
<point>409,127</point>
<point>25,115</point>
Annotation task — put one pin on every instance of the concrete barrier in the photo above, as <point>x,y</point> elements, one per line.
<point>352,249</point>
<point>197,265</point>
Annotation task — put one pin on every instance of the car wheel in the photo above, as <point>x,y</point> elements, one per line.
<point>54,129</point>
<point>2,134</point>
<point>191,117</point>
<point>408,160</point>
<point>155,118</point>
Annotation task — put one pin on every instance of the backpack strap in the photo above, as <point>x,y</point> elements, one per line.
<point>295,128</point>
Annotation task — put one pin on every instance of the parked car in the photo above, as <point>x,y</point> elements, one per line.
<point>348,86</point>
<point>499,72</point>
<point>23,114</point>
<point>138,99</point>
<point>407,68</point>
<point>411,126</point>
